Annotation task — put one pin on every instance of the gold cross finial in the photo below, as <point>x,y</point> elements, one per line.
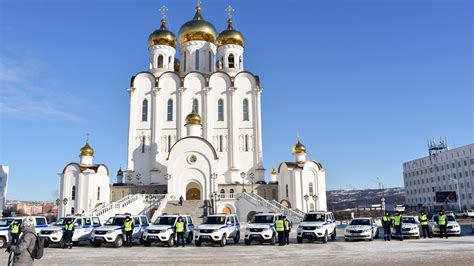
<point>87,137</point>
<point>230,11</point>
<point>164,11</point>
<point>199,2</point>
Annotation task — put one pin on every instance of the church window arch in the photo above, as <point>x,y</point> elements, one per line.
<point>160,61</point>
<point>72,210</point>
<point>240,61</point>
<point>221,143</point>
<point>98,193</point>
<point>231,193</point>
<point>246,142</point>
<point>220,110</point>
<point>143,144</point>
<point>196,60</point>
<point>245,110</point>
<point>311,190</point>
<point>184,61</point>
<point>169,61</point>
<point>196,105</point>
<point>145,110</point>
<point>286,190</point>
<point>169,111</point>
<point>73,193</point>
<point>169,143</point>
<point>210,61</point>
<point>231,60</point>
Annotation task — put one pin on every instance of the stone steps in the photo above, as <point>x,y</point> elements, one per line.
<point>195,208</point>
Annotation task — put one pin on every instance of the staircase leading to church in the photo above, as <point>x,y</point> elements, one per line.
<point>195,208</point>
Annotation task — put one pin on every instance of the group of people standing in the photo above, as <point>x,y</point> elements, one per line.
<point>283,229</point>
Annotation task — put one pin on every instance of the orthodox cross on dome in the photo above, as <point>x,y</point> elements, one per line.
<point>199,2</point>
<point>87,137</point>
<point>164,11</point>
<point>230,11</point>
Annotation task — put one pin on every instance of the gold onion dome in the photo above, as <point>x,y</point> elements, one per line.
<point>120,172</point>
<point>193,118</point>
<point>299,148</point>
<point>86,150</point>
<point>273,172</point>
<point>197,29</point>
<point>230,36</point>
<point>162,36</point>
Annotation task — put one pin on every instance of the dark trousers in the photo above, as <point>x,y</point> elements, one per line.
<point>398,229</point>
<point>287,237</point>
<point>443,231</point>
<point>426,230</point>
<point>68,238</point>
<point>386,232</point>
<point>128,238</point>
<point>15,238</point>
<point>281,238</point>
<point>178,237</point>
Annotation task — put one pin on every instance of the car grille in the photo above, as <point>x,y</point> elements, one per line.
<point>154,231</point>
<point>206,231</point>
<point>256,230</point>
<point>355,231</point>
<point>449,227</point>
<point>100,232</point>
<point>309,227</point>
<point>46,232</point>
<point>406,229</point>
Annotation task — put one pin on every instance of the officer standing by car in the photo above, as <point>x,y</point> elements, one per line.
<point>424,224</point>
<point>397,222</point>
<point>128,230</point>
<point>15,231</point>
<point>287,230</point>
<point>387,225</point>
<point>442,221</point>
<point>68,233</point>
<point>280,229</point>
<point>179,231</point>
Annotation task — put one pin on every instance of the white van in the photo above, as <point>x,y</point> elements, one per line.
<point>5,237</point>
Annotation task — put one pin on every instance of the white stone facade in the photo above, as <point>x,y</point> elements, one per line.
<point>4,172</point>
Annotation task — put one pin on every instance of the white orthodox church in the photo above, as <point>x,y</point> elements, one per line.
<point>195,130</point>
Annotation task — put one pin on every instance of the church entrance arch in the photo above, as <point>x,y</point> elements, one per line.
<point>286,203</point>
<point>193,191</point>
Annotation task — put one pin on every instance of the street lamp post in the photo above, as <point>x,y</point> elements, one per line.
<point>129,176</point>
<point>243,180</point>
<point>457,191</point>
<point>315,199</point>
<point>138,176</point>
<point>252,177</point>
<point>65,200</point>
<point>306,198</point>
<point>214,207</point>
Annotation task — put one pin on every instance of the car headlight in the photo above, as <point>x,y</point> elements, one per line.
<point>57,231</point>
<point>215,230</point>
<point>247,229</point>
<point>110,231</point>
<point>318,227</point>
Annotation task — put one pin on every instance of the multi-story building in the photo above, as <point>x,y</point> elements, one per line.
<point>444,170</point>
<point>3,186</point>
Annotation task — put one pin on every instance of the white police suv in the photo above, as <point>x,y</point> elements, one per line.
<point>218,228</point>
<point>410,227</point>
<point>112,230</point>
<point>163,230</point>
<point>452,228</point>
<point>317,225</point>
<point>83,227</point>
<point>5,237</point>
<point>262,228</point>
<point>361,228</point>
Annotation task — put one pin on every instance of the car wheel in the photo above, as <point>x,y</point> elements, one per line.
<point>3,242</point>
<point>273,240</point>
<point>171,241</point>
<point>371,237</point>
<point>197,243</point>
<point>237,238</point>
<point>247,242</point>
<point>189,240</point>
<point>96,244</point>
<point>223,241</point>
<point>75,243</point>
<point>299,240</point>
<point>333,235</point>
<point>118,242</point>
<point>325,237</point>
<point>346,239</point>
<point>146,243</point>
<point>61,243</point>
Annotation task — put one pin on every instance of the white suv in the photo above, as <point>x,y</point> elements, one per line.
<point>317,225</point>
<point>112,230</point>
<point>5,237</point>
<point>410,227</point>
<point>83,227</point>
<point>218,228</point>
<point>361,228</point>
<point>262,228</point>
<point>452,228</point>
<point>163,230</point>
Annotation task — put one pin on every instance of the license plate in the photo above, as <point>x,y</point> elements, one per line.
<point>355,234</point>
<point>99,238</point>
<point>308,234</point>
<point>152,237</point>
<point>255,236</point>
<point>204,237</point>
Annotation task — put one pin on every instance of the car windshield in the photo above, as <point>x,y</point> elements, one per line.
<point>115,221</point>
<point>262,219</point>
<point>408,220</point>
<point>314,217</point>
<point>360,222</point>
<point>214,220</point>
<point>165,221</point>
<point>5,222</point>
<point>63,220</point>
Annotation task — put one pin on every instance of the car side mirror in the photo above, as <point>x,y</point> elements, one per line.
<point>76,224</point>
<point>228,222</point>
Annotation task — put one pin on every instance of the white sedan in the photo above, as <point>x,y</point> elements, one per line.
<point>361,228</point>
<point>452,228</point>
<point>410,227</point>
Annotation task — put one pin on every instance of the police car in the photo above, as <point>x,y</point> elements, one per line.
<point>5,237</point>
<point>410,227</point>
<point>112,230</point>
<point>262,228</point>
<point>218,228</point>
<point>83,227</point>
<point>317,225</point>
<point>163,230</point>
<point>361,228</point>
<point>452,227</point>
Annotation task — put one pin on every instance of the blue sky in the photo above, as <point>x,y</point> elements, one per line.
<point>364,83</point>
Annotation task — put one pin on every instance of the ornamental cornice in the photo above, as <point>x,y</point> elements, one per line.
<point>190,43</point>
<point>161,47</point>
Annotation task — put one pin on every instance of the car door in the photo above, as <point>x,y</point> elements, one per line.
<point>136,227</point>
<point>87,228</point>
<point>40,224</point>
<point>189,226</point>
<point>232,226</point>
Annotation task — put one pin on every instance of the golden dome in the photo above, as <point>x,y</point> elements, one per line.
<point>162,36</point>
<point>230,36</point>
<point>299,148</point>
<point>273,172</point>
<point>193,119</point>
<point>176,64</point>
<point>86,150</point>
<point>120,172</point>
<point>197,29</point>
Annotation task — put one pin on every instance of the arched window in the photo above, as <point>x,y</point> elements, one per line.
<point>98,193</point>
<point>196,105</point>
<point>286,188</point>
<point>245,109</point>
<point>145,110</point>
<point>210,61</point>
<point>160,61</point>
<point>221,143</point>
<point>231,61</point>
<point>169,113</point>
<point>220,110</point>
<point>311,189</point>
<point>143,144</point>
<point>196,60</point>
<point>169,143</point>
<point>246,143</point>
<point>231,193</point>
<point>240,61</point>
<point>311,207</point>
<point>184,63</point>
<point>169,61</point>
<point>72,210</point>
<point>73,193</point>
<point>222,193</point>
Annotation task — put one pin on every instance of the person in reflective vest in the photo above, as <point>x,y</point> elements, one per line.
<point>397,223</point>
<point>280,229</point>
<point>387,225</point>
<point>180,231</point>
<point>287,230</point>
<point>424,224</point>
<point>128,231</point>
<point>15,231</point>
<point>442,224</point>
<point>68,233</point>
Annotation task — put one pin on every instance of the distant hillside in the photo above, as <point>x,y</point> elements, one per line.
<point>350,198</point>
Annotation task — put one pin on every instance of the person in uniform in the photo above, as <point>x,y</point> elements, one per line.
<point>387,225</point>
<point>68,232</point>
<point>179,231</point>
<point>128,230</point>
<point>424,224</point>
<point>280,229</point>
<point>15,231</point>
<point>287,230</point>
<point>442,223</point>
<point>397,223</point>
